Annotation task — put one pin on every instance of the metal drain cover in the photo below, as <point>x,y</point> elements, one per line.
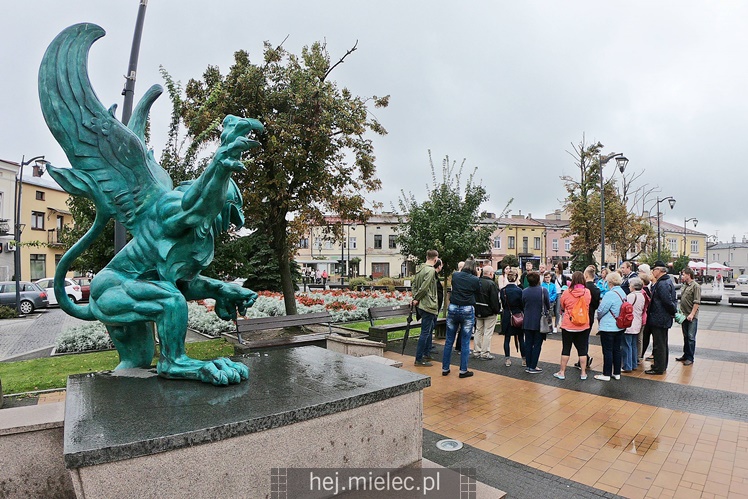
<point>449,445</point>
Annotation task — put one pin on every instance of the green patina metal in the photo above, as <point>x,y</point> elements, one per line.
<point>148,283</point>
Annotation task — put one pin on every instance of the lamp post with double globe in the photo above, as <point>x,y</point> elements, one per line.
<point>621,162</point>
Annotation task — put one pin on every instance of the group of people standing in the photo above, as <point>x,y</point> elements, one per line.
<point>530,304</point>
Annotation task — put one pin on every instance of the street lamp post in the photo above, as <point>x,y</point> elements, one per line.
<point>39,160</point>
<point>621,161</point>
<point>685,221</point>
<point>348,262</point>
<point>671,202</point>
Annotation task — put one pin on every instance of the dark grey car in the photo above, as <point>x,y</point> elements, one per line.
<point>32,296</point>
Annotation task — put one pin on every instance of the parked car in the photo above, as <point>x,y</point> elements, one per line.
<point>85,284</point>
<point>72,289</point>
<point>32,296</point>
<point>743,279</point>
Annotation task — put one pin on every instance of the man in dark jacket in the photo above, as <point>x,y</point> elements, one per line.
<point>628,273</point>
<point>487,309</point>
<point>660,316</point>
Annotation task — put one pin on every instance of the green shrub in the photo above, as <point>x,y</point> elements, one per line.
<point>86,337</point>
<point>387,281</point>
<point>359,281</point>
<point>7,312</point>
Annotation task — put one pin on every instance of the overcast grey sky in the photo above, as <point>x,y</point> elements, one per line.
<point>508,85</point>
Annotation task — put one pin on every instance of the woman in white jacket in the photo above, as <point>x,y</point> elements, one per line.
<point>639,300</point>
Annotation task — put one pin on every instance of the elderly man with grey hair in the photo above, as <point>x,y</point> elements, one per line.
<point>487,308</point>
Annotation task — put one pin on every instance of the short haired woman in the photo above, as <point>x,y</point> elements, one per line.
<point>511,303</point>
<point>611,335</point>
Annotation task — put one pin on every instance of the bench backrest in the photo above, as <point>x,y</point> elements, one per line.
<point>390,311</point>
<point>281,321</point>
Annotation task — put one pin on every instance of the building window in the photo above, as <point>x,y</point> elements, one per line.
<point>37,220</point>
<point>304,243</point>
<point>393,242</point>
<point>377,241</point>
<point>525,245</point>
<point>40,195</point>
<point>695,246</point>
<point>555,244</point>
<point>328,244</point>
<point>38,266</point>
<point>567,244</point>
<point>352,242</point>
<point>511,242</point>
<point>497,242</point>
<point>673,245</point>
<point>536,243</point>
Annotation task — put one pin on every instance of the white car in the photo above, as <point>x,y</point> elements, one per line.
<point>72,289</point>
<point>743,279</point>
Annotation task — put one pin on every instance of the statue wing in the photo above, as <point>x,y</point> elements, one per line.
<point>110,162</point>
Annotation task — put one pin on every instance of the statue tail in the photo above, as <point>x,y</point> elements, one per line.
<point>82,312</point>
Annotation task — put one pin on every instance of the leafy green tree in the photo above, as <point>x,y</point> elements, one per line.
<point>650,258</point>
<point>681,263</point>
<point>250,257</point>
<point>623,228</point>
<point>448,221</point>
<point>101,251</point>
<point>509,260</point>
<point>316,156</point>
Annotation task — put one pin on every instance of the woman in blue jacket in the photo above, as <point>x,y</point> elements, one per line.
<point>552,293</point>
<point>611,335</point>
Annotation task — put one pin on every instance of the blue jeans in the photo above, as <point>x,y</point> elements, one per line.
<point>611,343</point>
<point>533,342</point>
<point>629,353</point>
<point>689,338</point>
<point>464,319</point>
<point>428,322</point>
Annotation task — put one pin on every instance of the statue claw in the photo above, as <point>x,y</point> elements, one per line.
<point>220,371</point>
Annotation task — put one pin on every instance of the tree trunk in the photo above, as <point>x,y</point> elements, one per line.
<point>280,241</point>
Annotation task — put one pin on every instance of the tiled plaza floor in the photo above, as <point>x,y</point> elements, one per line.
<point>684,434</point>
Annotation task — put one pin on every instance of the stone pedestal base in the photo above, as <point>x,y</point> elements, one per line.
<point>136,435</point>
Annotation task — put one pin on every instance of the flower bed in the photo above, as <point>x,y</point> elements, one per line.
<point>344,306</point>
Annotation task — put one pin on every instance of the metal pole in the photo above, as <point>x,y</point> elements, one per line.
<point>602,212</point>
<point>658,228</point>
<point>342,253</point>
<point>17,231</point>
<point>120,233</point>
<point>17,236</point>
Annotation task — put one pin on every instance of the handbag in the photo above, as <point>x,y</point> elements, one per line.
<point>545,321</point>
<point>517,319</point>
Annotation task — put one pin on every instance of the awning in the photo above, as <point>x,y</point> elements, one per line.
<point>58,210</point>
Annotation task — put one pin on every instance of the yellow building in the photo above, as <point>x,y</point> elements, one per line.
<point>44,214</point>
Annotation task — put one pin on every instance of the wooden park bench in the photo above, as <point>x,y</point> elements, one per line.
<point>403,289</point>
<point>311,287</point>
<point>729,285</point>
<point>284,321</point>
<point>337,286</point>
<point>379,332</point>
<point>744,293</point>
<point>741,300</point>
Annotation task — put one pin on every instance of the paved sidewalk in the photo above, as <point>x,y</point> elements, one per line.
<point>684,434</point>
<point>35,332</point>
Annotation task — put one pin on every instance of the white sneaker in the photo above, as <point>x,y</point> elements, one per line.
<point>616,376</point>
<point>476,355</point>
<point>508,362</point>
<point>488,356</point>
<point>602,377</point>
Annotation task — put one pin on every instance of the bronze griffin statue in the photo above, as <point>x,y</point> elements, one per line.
<point>173,229</point>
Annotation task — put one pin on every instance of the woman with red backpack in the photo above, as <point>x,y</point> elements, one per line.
<point>575,323</point>
<point>611,334</point>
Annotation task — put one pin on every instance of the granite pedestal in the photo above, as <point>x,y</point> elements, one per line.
<point>133,434</point>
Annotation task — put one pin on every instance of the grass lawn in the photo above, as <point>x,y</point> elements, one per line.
<point>52,372</point>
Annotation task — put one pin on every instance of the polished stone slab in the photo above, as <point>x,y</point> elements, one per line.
<point>116,416</point>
